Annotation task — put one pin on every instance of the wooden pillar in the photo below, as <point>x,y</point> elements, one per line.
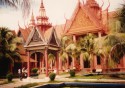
<point>57,63</point>
<point>35,60</point>
<point>73,66</point>
<point>81,62</point>
<point>28,63</point>
<point>67,63</point>
<point>123,61</point>
<point>46,60</point>
<point>74,38</point>
<point>94,61</point>
<point>60,63</point>
<point>43,65</point>
<point>100,44</point>
<point>74,59</point>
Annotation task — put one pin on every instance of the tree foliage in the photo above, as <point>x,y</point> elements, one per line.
<point>8,47</point>
<point>86,46</point>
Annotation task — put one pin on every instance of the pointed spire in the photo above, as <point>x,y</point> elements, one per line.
<point>32,20</point>
<point>79,2</point>
<point>42,19</point>
<point>32,17</point>
<point>41,6</point>
<point>102,4</point>
<point>108,5</point>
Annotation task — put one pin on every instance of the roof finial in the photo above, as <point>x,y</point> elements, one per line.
<point>42,6</point>
<point>102,3</point>
<point>65,22</point>
<point>83,2</point>
<point>108,5</point>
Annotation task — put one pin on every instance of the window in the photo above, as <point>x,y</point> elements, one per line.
<point>98,60</point>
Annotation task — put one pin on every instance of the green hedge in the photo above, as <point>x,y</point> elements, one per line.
<point>52,76</point>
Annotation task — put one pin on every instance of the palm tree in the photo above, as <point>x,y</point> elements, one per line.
<point>65,41</point>
<point>8,49</point>
<point>25,5</point>
<point>86,47</point>
<point>113,48</point>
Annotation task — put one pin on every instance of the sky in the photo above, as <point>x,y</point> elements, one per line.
<point>56,10</point>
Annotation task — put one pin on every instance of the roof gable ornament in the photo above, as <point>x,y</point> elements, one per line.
<point>92,4</point>
<point>34,36</point>
<point>53,40</point>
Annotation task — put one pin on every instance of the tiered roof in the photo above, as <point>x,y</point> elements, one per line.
<point>42,19</point>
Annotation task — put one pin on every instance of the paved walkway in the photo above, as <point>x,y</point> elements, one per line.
<point>17,82</point>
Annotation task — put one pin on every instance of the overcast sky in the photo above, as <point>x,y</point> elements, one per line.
<point>55,10</point>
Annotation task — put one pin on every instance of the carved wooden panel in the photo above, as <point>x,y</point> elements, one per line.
<point>36,37</point>
<point>53,40</point>
<point>81,20</point>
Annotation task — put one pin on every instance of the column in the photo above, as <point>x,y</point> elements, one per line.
<point>74,38</point>
<point>67,63</point>
<point>57,63</point>
<point>46,61</point>
<point>35,60</point>
<point>100,44</point>
<point>123,62</point>
<point>28,64</point>
<point>43,65</point>
<point>60,64</point>
<point>81,62</point>
<point>74,59</point>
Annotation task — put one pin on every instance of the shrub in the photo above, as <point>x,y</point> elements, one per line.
<point>9,77</point>
<point>72,73</point>
<point>34,70</point>
<point>52,76</point>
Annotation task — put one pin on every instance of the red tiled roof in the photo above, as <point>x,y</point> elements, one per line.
<point>24,32</point>
<point>91,16</point>
<point>21,49</point>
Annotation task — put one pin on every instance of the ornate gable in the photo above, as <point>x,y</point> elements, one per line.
<point>53,40</point>
<point>81,20</point>
<point>35,38</point>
